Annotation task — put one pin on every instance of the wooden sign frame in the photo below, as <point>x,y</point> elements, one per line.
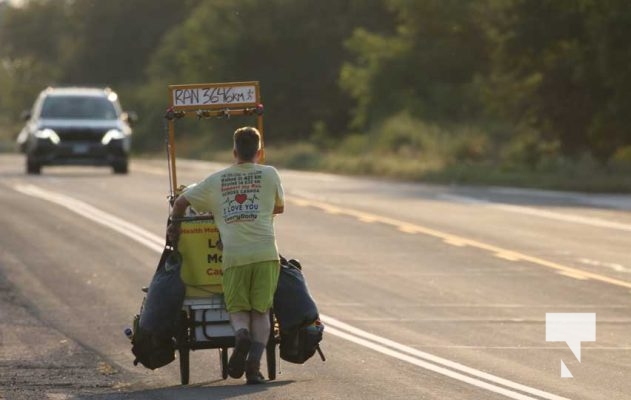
<point>208,100</point>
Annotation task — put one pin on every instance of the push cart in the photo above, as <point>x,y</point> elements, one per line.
<point>204,322</point>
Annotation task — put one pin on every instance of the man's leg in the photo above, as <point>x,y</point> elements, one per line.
<point>240,320</point>
<point>242,343</point>
<point>264,281</point>
<point>236,282</point>
<point>260,334</point>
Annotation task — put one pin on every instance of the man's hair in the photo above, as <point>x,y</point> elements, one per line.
<point>247,141</point>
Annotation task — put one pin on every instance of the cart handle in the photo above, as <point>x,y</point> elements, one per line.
<point>193,218</point>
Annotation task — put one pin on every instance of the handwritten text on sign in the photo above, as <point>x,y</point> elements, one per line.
<point>219,95</point>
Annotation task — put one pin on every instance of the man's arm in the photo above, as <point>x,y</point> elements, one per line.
<point>179,207</point>
<point>279,201</point>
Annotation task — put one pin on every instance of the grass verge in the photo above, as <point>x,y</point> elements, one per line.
<point>578,176</point>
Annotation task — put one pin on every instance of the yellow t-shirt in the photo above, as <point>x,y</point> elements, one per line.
<point>242,198</point>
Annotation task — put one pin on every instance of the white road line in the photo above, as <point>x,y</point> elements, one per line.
<point>613,266</point>
<point>597,222</point>
<point>428,366</point>
<point>376,343</point>
<point>335,327</point>
<point>132,231</point>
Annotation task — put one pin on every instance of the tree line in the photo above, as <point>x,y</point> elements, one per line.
<point>533,78</point>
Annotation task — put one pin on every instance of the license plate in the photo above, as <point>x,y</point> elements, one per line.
<point>80,148</point>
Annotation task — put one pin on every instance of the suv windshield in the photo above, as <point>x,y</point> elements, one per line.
<point>78,107</point>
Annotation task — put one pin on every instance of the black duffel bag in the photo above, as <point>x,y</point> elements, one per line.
<point>297,315</point>
<point>157,324</point>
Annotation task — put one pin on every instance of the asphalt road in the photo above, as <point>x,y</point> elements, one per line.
<point>427,292</point>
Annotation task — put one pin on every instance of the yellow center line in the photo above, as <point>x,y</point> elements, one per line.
<point>508,256</point>
<point>457,243</point>
<point>457,240</point>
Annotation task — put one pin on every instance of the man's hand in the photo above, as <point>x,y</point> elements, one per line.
<point>177,211</point>
<point>173,231</point>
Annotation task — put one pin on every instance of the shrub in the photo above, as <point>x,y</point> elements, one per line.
<point>304,156</point>
<point>621,159</point>
<point>354,145</point>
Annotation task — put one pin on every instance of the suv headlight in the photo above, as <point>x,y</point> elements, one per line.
<point>112,134</point>
<point>48,134</point>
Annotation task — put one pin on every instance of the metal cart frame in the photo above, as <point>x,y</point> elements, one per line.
<point>205,325</point>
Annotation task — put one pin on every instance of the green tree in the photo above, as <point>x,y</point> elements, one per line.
<point>561,68</point>
<point>30,44</point>
<point>113,40</point>
<point>425,68</point>
<point>84,42</point>
<point>293,47</point>
<point>609,28</point>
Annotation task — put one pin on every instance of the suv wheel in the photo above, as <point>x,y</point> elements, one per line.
<point>32,167</point>
<point>120,167</point>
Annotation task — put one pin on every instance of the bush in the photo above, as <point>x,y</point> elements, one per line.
<point>403,134</point>
<point>621,159</point>
<point>528,149</point>
<point>304,156</point>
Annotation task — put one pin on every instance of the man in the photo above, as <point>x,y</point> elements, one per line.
<point>243,199</point>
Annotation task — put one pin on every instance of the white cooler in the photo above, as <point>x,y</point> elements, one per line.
<point>210,316</point>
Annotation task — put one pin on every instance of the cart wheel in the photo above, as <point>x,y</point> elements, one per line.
<point>270,355</point>
<point>184,365</point>
<point>223,353</point>
<point>183,348</point>
<point>270,349</point>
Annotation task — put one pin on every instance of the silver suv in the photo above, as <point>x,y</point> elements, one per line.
<point>76,126</point>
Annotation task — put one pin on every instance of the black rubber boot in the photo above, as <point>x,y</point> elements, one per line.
<point>253,373</point>
<point>236,364</point>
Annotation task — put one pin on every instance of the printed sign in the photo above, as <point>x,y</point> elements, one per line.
<point>201,257</point>
<point>214,95</point>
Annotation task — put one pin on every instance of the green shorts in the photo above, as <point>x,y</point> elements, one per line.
<point>250,287</point>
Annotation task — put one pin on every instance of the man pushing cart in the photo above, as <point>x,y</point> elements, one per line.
<point>221,263</point>
<point>243,200</point>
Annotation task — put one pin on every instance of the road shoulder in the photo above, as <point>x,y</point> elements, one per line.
<point>39,362</point>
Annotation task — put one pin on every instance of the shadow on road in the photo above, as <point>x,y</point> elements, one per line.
<point>203,390</point>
